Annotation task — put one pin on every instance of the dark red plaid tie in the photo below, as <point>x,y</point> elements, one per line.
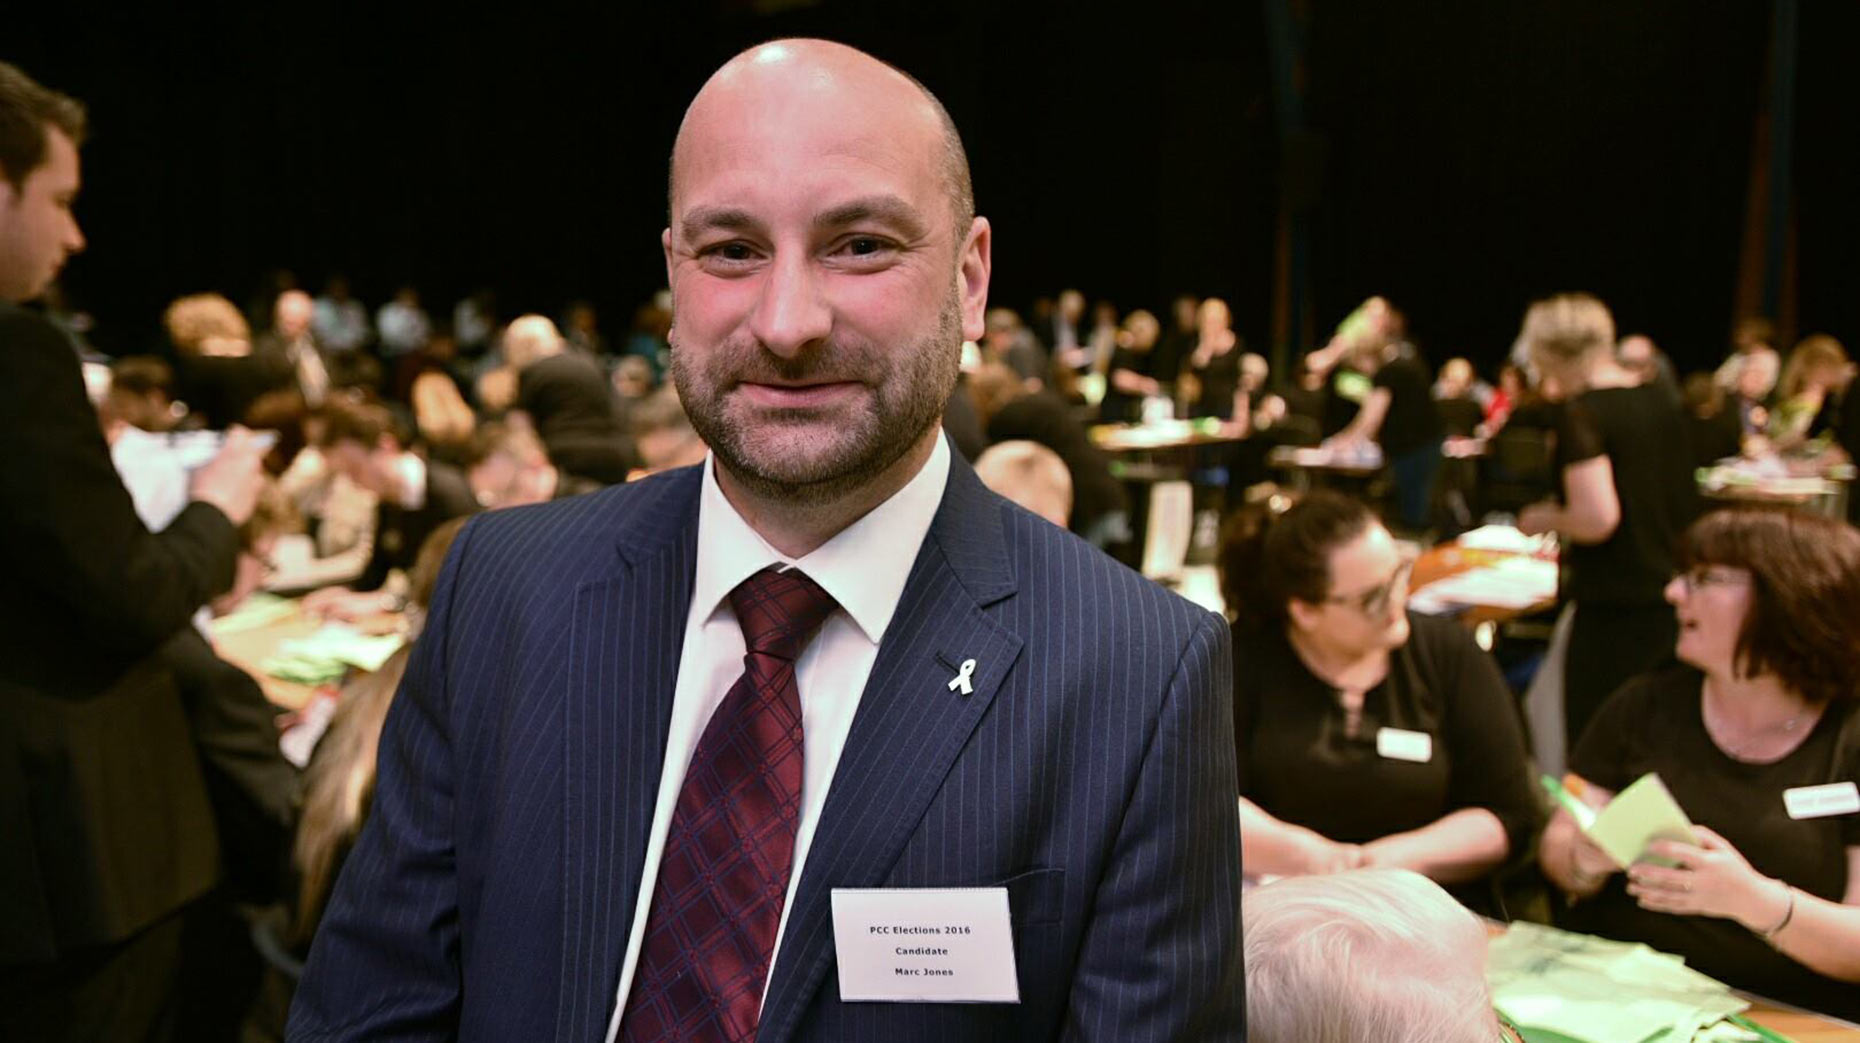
<point>711,934</point>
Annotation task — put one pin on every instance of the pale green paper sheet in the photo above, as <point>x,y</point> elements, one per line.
<point>1599,991</point>
<point>1639,815</point>
<point>261,609</point>
<point>322,656</point>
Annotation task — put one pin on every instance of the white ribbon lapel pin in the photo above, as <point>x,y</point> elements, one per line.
<point>961,680</point>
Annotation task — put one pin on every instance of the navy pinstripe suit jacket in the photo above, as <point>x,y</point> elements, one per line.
<point>1091,772</point>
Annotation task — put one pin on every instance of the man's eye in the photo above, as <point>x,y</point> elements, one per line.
<point>863,248</point>
<point>731,252</point>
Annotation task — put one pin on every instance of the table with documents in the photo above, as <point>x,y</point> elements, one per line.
<point>1491,574</point>
<point>1559,987</point>
<point>292,655</point>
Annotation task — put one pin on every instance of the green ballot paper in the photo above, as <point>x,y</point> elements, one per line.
<point>1638,816</point>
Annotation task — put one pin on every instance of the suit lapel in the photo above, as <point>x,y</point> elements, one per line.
<point>910,727</point>
<point>626,636</point>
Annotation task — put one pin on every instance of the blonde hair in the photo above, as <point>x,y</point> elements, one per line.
<point>991,386</point>
<point>197,318</point>
<point>1372,954</point>
<point>1567,329</point>
<point>1127,334</point>
<point>340,782</point>
<point>274,514</point>
<point>1816,351</point>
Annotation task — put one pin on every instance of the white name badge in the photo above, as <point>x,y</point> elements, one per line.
<point>1835,798</point>
<point>925,945</point>
<point>1397,744</point>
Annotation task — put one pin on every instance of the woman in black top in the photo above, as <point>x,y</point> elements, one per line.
<point>1367,736</point>
<point>1215,364</point>
<point>1627,494</point>
<point>1757,736</point>
<point>1131,376</point>
<point>1400,417</point>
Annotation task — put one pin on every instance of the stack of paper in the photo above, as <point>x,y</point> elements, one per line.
<point>1558,985</point>
<point>1363,456</point>
<point>259,610</point>
<point>327,654</point>
<point>1512,583</point>
<point>1638,816</point>
<point>1501,538</point>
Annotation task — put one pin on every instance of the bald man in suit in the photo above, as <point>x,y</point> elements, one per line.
<point>654,737</point>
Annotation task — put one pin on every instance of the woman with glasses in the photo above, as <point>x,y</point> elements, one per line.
<point>1757,734</point>
<point>1367,736</point>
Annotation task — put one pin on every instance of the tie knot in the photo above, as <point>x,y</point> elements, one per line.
<point>779,611</point>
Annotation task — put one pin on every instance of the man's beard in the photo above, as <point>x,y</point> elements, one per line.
<point>907,402</point>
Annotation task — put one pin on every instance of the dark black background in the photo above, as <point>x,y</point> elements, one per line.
<point>1475,154</point>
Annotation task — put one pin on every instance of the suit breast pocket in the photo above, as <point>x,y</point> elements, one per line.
<point>1036,897</point>
<point>1037,912</point>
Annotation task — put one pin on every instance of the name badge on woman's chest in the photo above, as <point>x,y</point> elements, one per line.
<point>1835,798</point>
<point>1399,744</point>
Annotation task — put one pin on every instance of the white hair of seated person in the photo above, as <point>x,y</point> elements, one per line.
<point>1366,956</point>
<point>529,338</point>
<point>1031,475</point>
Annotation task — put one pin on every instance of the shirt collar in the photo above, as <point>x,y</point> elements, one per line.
<point>864,567</point>
<point>413,481</point>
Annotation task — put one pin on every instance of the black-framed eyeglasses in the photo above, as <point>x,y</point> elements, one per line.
<point>1375,601</point>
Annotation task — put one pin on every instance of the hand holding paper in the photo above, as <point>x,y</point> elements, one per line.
<point>1709,879</point>
<point>1643,813</point>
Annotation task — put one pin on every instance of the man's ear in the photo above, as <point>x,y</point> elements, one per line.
<point>1303,614</point>
<point>973,268</point>
<point>671,283</point>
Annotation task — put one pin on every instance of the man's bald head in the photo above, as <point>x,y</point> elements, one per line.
<point>529,338</point>
<point>822,71</point>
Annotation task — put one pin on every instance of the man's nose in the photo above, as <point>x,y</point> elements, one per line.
<point>74,237</point>
<point>792,312</point>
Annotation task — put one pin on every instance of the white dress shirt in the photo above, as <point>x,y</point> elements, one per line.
<point>157,478</point>
<point>864,567</point>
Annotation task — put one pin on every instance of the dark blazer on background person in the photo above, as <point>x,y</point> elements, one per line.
<point>1042,416</point>
<point>220,390</point>
<point>104,820</point>
<point>399,532</point>
<point>254,790</point>
<point>962,424</point>
<point>572,405</point>
<point>1090,773</point>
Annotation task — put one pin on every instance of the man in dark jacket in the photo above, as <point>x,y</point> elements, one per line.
<point>105,828</point>
<point>570,403</point>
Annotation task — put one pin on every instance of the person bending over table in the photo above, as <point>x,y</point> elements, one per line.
<point>416,496</point>
<point>1757,734</point>
<point>1401,418</point>
<point>1367,736</point>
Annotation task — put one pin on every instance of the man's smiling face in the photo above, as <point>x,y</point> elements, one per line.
<point>821,286</point>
